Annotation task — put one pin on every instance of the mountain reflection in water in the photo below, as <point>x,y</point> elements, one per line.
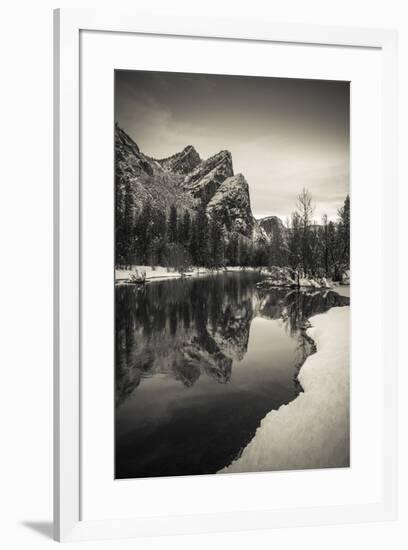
<point>198,363</point>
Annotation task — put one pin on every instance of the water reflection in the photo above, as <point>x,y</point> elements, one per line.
<point>199,362</point>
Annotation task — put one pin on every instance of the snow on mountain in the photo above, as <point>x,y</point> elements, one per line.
<point>181,163</point>
<point>270,224</point>
<point>187,181</point>
<point>231,205</point>
<point>147,178</point>
<point>206,178</point>
<point>129,160</point>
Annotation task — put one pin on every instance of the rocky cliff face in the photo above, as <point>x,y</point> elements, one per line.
<point>149,179</point>
<point>129,160</point>
<point>271,224</point>
<point>206,178</point>
<point>231,205</point>
<point>181,163</point>
<point>187,181</point>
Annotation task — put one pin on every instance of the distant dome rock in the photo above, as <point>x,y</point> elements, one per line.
<point>270,224</point>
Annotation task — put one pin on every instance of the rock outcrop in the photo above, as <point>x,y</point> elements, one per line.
<point>188,182</point>
<point>231,206</point>
<point>145,178</point>
<point>206,178</point>
<point>181,163</point>
<point>272,224</point>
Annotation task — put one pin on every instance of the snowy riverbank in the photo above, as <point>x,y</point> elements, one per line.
<point>343,290</point>
<point>161,273</point>
<point>313,430</point>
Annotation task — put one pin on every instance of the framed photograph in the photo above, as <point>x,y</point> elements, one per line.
<point>225,275</point>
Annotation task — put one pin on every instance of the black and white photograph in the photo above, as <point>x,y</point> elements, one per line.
<point>232,274</point>
<point>204,326</point>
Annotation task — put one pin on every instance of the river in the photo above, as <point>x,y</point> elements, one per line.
<point>198,363</point>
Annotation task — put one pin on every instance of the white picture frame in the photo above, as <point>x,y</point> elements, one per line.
<point>68,25</point>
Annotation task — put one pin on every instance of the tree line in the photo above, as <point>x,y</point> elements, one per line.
<point>318,250</point>
<point>180,239</point>
<point>176,239</point>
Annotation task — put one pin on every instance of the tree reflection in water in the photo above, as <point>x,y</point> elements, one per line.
<point>186,328</point>
<point>199,363</point>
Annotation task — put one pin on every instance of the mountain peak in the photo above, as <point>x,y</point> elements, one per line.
<point>188,182</point>
<point>225,155</point>
<point>189,149</point>
<point>205,179</point>
<point>183,162</point>
<point>238,179</point>
<point>127,141</point>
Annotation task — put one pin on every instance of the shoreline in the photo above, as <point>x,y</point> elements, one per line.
<point>312,431</point>
<point>159,273</point>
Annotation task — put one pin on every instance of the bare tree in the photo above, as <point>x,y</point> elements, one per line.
<point>325,244</point>
<point>295,244</point>
<point>305,209</point>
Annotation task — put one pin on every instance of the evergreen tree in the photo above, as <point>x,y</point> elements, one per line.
<point>314,251</point>
<point>172,227</point>
<point>332,239</point>
<point>260,255</point>
<point>159,236</point>
<point>231,252</point>
<point>186,229</point>
<point>119,221</point>
<point>216,244</point>
<point>277,254</point>
<point>238,252</point>
<point>344,234</point>
<point>244,252</point>
<point>178,257</point>
<point>159,223</point>
<point>179,239</point>
<point>153,252</point>
<point>324,240</point>
<point>143,234</point>
<point>127,228</point>
<point>194,242</point>
<point>270,261</point>
<point>202,236</point>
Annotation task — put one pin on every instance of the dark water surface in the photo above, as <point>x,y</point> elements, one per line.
<point>199,363</point>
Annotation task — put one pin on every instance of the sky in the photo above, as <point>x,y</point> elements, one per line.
<point>284,134</point>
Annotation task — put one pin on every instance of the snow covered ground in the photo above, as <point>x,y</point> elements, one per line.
<point>313,430</point>
<point>343,290</point>
<point>122,275</point>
